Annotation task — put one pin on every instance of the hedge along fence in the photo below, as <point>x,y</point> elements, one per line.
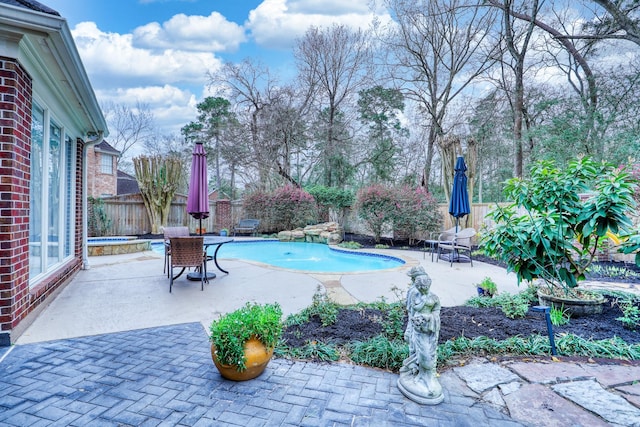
<point>128,216</point>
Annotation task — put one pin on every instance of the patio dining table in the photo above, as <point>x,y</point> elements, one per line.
<point>208,242</point>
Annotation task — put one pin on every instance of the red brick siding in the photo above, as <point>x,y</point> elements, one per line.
<point>16,299</point>
<point>100,183</point>
<point>15,146</point>
<point>223,214</point>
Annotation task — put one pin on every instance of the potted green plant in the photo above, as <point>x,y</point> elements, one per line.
<point>243,340</point>
<point>557,221</point>
<point>487,288</point>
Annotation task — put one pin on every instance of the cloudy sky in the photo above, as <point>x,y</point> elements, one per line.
<point>157,52</point>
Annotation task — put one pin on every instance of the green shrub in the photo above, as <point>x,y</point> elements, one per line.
<point>416,212</point>
<point>558,235</point>
<point>375,206</point>
<point>630,312</point>
<point>394,322</point>
<point>350,245</point>
<point>488,286</point>
<point>559,316</point>
<point>312,350</point>
<point>321,306</point>
<point>380,352</point>
<point>330,198</point>
<point>513,306</point>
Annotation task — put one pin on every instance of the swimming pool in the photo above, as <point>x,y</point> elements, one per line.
<point>311,257</point>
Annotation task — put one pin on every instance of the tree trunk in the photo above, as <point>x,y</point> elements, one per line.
<point>158,179</point>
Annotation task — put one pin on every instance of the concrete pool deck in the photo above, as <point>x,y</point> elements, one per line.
<point>130,291</point>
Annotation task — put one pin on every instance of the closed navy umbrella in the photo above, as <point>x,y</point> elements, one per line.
<point>459,204</point>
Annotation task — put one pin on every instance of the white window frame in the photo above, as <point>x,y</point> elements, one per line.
<point>103,164</point>
<point>67,205</point>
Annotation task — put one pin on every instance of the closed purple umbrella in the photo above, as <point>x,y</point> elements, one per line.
<point>198,198</point>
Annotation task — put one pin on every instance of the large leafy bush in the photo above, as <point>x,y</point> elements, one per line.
<point>567,215</point>
<point>409,211</point>
<point>416,212</point>
<point>376,205</point>
<point>285,208</point>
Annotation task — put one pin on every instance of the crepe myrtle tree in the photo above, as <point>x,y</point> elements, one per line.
<point>558,220</point>
<point>158,178</point>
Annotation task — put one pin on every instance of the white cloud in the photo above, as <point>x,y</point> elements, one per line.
<point>278,23</point>
<point>191,33</point>
<point>172,107</point>
<point>111,59</point>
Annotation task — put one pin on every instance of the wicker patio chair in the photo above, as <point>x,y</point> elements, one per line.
<point>455,243</point>
<point>187,252</point>
<point>170,232</point>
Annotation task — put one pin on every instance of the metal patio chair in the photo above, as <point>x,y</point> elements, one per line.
<point>170,232</point>
<point>187,252</point>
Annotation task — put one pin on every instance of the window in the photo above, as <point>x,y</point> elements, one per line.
<point>106,163</point>
<point>51,195</point>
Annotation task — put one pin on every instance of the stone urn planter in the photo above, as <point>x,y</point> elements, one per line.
<point>243,340</point>
<point>257,357</point>
<point>583,304</point>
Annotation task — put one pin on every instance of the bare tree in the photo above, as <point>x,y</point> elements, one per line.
<point>285,135</point>
<point>620,20</point>
<point>589,94</point>
<point>332,63</point>
<point>517,43</point>
<point>438,48</point>
<point>128,125</point>
<point>249,85</point>
<point>623,17</point>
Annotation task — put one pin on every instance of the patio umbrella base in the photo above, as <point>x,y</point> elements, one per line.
<point>197,276</point>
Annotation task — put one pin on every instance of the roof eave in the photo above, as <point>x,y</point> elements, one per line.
<point>63,49</point>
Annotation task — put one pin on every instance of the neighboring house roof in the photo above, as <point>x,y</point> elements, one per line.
<point>47,41</point>
<point>105,147</point>
<point>127,184</point>
<point>30,4</point>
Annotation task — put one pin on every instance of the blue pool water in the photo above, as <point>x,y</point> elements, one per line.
<point>312,257</point>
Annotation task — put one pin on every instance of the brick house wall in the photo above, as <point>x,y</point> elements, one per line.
<point>99,183</point>
<point>15,149</point>
<point>16,298</point>
<point>37,260</point>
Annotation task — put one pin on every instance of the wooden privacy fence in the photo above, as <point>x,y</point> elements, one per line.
<point>128,216</point>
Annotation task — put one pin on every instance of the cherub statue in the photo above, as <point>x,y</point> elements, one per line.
<point>418,374</point>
